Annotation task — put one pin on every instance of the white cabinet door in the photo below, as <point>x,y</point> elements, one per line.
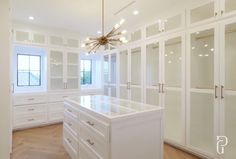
<point>173,23</point>
<point>228,6</point>
<point>203,97</point>
<point>28,37</point>
<point>228,88</point>
<point>56,73</point>
<point>204,12</point>
<point>72,70</point>
<point>154,29</point>
<point>110,74</point>
<point>123,74</point>
<point>174,93</point>
<point>153,74</point>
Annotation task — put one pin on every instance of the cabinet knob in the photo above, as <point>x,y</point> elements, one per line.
<point>90,142</point>
<point>68,140</point>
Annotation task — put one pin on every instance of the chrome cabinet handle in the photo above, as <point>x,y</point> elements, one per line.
<point>222,92</point>
<point>69,110</point>
<point>90,142</point>
<point>222,12</point>
<point>31,109</point>
<point>216,88</point>
<point>90,123</point>
<point>31,119</point>
<point>69,124</point>
<point>69,140</point>
<point>216,14</point>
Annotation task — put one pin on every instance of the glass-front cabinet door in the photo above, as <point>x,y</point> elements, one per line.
<point>123,72</point>
<point>110,71</point>
<point>203,12</point>
<point>228,89</point>
<point>135,75</point>
<point>174,89</point>
<point>229,6</point>
<point>56,77</point>
<point>202,90</point>
<point>72,71</point>
<point>153,72</point>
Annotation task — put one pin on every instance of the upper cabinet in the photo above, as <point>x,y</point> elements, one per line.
<point>210,11</point>
<point>28,37</point>
<point>136,35</point>
<point>58,41</point>
<point>172,23</point>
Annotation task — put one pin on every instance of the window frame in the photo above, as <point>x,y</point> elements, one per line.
<point>91,72</point>
<point>40,71</point>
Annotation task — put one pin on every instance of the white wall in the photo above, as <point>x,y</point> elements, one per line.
<point>5,124</point>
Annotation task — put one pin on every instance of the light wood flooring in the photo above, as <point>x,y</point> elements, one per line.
<point>46,143</point>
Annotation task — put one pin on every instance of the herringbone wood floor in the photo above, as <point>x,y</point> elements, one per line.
<point>46,143</point>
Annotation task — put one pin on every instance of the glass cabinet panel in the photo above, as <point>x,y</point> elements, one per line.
<point>123,92</point>
<point>136,94</point>
<point>173,62</point>
<point>136,66</point>
<point>72,71</point>
<point>106,68</point>
<point>230,5</point>
<point>152,96</point>
<point>152,64</point>
<point>124,67</point>
<point>72,43</point>
<point>22,36</point>
<point>202,59</point>
<point>54,40</point>
<point>230,90</point>
<point>113,68</point>
<point>153,29</point>
<point>39,38</point>
<point>135,36</point>
<point>203,12</point>
<point>173,22</point>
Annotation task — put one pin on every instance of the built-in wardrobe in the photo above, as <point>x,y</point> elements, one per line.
<point>185,63</point>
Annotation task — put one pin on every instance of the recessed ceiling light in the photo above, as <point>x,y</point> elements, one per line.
<point>99,32</point>
<point>136,12</point>
<point>31,18</point>
<point>122,21</point>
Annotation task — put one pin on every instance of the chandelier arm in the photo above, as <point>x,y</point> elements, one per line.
<point>117,34</point>
<point>92,42</point>
<point>111,32</point>
<point>93,48</point>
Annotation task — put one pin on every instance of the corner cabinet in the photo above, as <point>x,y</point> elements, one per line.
<point>63,69</point>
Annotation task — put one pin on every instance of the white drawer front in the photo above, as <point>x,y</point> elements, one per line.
<point>71,110</point>
<point>71,123</point>
<point>56,107</point>
<point>70,139</point>
<point>25,100</point>
<point>93,142</point>
<point>40,118</point>
<point>69,149</point>
<point>55,116</point>
<point>99,127</point>
<point>86,153</point>
<point>39,108</point>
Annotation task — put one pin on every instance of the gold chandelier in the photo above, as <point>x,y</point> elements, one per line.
<point>113,38</point>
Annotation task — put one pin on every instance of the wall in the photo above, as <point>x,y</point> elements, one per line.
<point>5,124</point>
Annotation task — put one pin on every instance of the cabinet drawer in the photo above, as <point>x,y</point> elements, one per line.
<point>55,117</point>
<point>71,110</point>
<point>86,153</point>
<point>94,142</point>
<point>56,107</point>
<point>71,123</point>
<point>39,108</point>
<point>97,126</point>
<point>30,119</point>
<point>70,139</point>
<point>69,149</point>
<point>23,100</point>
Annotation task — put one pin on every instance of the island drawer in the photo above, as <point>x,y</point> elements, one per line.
<point>39,108</point>
<point>86,153</point>
<point>71,140</point>
<point>71,123</point>
<point>71,110</point>
<point>97,126</point>
<point>25,100</point>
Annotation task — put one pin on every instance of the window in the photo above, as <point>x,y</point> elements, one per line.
<point>28,70</point>
<point>86,72</point>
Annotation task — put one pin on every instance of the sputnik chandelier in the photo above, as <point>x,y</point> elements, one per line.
<point>114,37</point>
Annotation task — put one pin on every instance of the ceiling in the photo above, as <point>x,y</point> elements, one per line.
<point>84,16</point>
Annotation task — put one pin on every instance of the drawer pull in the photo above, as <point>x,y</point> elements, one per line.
<point>90,142</point>
<point>90,123</point>
<point>69,110</point>
<point>31,119</point>
<point>31,109</point>
<point>31,99</point>
<point>69,140</point>
<point>69,124</point>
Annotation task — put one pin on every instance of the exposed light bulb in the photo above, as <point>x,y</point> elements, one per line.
<point>124,32</point>
<point>206,45</point>
<point>87,39</point>
<point>99,32</point>
<point>125,41</point>
<point>90,44</point>
<point>122,21</point>
<point>122,39</point>
<point>116,26</point>
<point>136,12</point>
<point>82,45</point>
<point>197,32</point>
<point>212,49</point>
<point>200,55</point>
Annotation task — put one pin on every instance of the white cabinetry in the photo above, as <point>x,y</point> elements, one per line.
<point>29,37</point>
<point>57,41</point>
<point>111,128</point>
<point>130,71</point>
<point>110,74</point>
<point>64,69</point>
